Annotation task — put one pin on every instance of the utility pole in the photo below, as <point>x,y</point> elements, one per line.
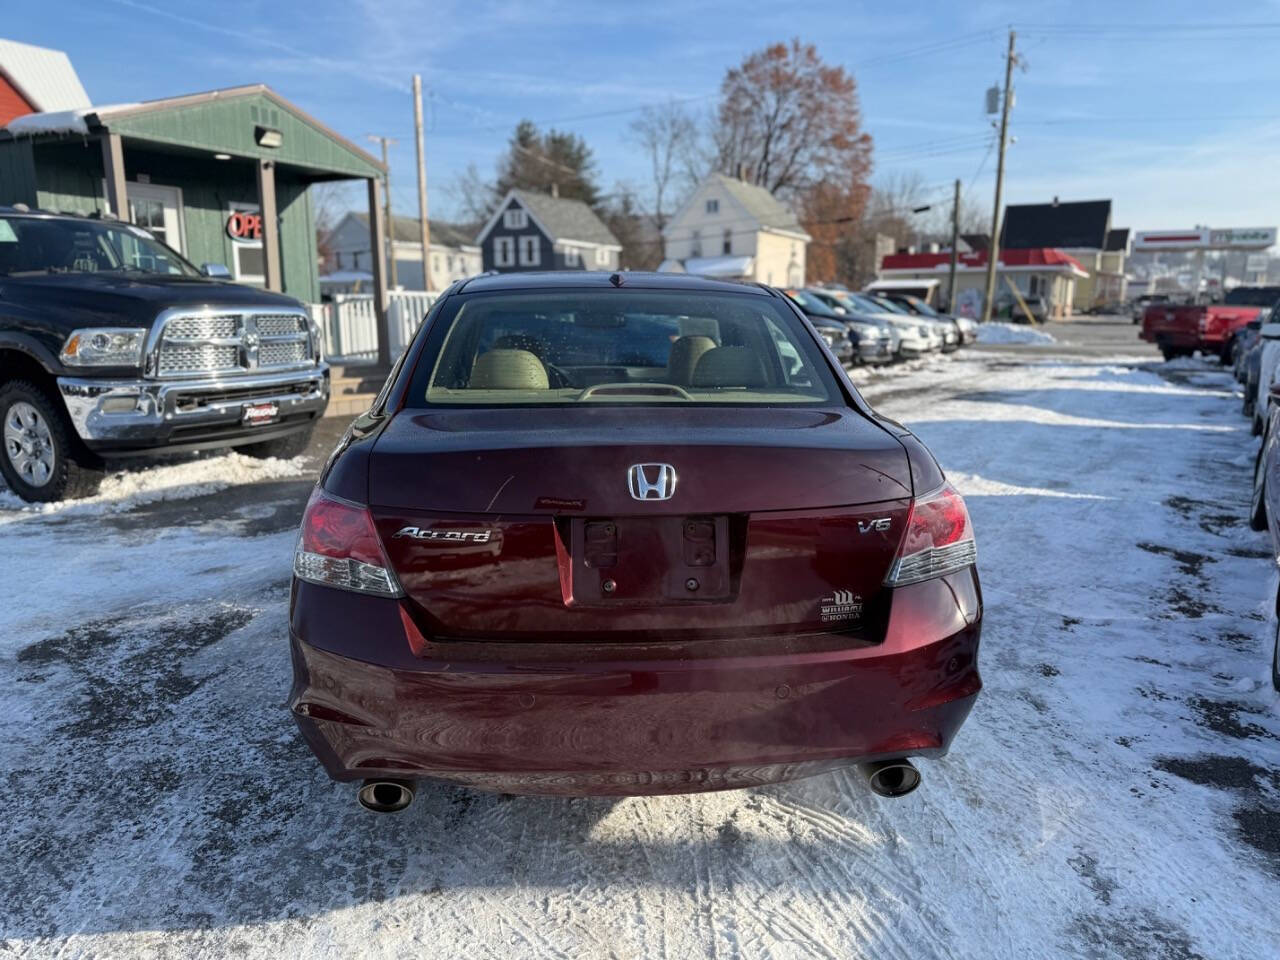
<point>386,202</point>
<point>993,250</point>
<point>424,225</point>
<point>955,250</point>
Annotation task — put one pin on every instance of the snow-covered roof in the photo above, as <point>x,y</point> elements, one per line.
<point>727,266</point>
<point>60,121</point>
<point>45,78</point>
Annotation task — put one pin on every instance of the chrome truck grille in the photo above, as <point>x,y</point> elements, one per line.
<point>229,342</point>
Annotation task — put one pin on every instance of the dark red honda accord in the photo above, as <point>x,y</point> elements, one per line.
<point>628,534</point>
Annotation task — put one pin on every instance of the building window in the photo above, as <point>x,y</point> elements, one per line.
<point>435,263</point>
<point>248,261</point>
<point>727,245</point>
<point>530,251</point>
<point>697,243</point>
<point>449,261</point>
<point>1034,286</point>
<point>713,206</point>
<point>504,251</point>
<point>337,259</point>
<point>515,219</point>
<point>602,256</point>
<point>572,257</point>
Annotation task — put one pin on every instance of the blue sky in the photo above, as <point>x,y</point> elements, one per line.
<point>1166,108</point>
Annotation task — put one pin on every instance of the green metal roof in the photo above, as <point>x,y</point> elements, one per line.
<point>225,121</point>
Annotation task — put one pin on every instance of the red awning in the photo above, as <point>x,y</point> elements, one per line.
<point>1050,258</point>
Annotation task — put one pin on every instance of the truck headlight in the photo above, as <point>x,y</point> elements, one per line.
<point>105,347</point>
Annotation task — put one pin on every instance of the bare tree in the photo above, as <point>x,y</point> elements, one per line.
<point>473,196</point>
<point>669,138</point>
<point>328,200</point>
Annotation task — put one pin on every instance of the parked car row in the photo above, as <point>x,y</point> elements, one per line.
<point>880,328</point>
<point>1255,354</point>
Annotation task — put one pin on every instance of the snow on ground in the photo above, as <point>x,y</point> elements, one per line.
<point>994,332</point>
<point>1114,794</point>
<point>142,483</point>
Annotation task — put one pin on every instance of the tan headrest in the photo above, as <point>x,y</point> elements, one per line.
<point>730,367</point>
<point>508,370</point>
<point>685,353</point>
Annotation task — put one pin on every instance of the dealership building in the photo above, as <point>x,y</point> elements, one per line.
<point>221,176</point>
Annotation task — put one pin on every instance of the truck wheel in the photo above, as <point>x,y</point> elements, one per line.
<point>42,460</point>
<point>1170,353</point>
<point>282,448</point>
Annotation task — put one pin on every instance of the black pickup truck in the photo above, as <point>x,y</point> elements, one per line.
<point>111,345</point>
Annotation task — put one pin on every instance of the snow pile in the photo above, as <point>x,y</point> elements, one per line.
<point>1197,362</point>
<point>150,482</point>
<point>1011,333</point>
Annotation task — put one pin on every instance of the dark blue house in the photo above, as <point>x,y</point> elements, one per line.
<point>541,231</point>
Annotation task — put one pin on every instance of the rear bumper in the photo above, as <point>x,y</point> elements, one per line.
<point>597,724</point>
<point>874,351</point>
<point>135,416</point>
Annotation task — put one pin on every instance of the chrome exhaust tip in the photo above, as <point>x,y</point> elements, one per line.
<point>891,778</point>
<point>385,796</point>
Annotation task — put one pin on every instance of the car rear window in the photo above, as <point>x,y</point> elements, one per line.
<point>619,346</point>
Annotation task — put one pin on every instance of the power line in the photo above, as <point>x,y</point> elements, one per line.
<point>991,145</point>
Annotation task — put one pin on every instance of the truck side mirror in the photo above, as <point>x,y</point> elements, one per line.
<point>216,270</point>
<point>1270,331</point>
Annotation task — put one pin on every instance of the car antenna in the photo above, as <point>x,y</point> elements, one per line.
<point>616,279</point>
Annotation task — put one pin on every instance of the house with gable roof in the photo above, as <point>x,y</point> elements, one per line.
<point>544,231</point>
<point>733,229</point>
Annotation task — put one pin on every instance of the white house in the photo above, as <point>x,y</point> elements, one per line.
<point>454,255</point>
<point>736,230</point>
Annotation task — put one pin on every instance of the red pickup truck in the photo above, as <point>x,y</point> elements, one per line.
<point>1180,331</point>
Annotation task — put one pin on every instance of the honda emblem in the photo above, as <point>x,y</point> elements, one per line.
<point>651,481</point>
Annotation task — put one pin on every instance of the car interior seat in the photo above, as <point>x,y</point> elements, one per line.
<point>684,357</point>
<point>521,341</point>
<point>730,367</point>
<point>504,369</point>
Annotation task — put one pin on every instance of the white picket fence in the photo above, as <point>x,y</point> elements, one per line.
<point>349,324</point>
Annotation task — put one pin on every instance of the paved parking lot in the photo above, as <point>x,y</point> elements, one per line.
<point>1115,793</point>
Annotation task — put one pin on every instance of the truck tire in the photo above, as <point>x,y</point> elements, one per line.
<point>282,448</point>
<point>1170,353</point>
<point>43,459</point>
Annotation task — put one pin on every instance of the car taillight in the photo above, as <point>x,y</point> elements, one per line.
<point>338,547</point>
<point>938,539</point>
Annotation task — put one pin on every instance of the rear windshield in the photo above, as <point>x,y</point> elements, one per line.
<point>619,346</point>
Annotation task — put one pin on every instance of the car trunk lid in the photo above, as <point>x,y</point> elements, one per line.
<point>521,523</point>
